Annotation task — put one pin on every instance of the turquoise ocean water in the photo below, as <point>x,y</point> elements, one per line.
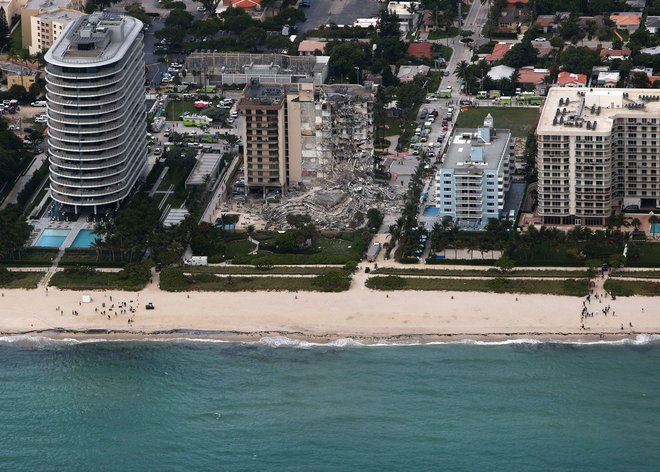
<point>197,406</point>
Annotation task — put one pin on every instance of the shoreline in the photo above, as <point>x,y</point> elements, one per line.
<point>284,338</point>
<point>360,315</point>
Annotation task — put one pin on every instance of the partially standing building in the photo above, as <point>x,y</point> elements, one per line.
<point>301,133</point>
<point>96,114</point>
<point>475,175</point>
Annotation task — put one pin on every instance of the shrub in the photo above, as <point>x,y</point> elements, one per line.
<point>333,281</point>
<point>391,282</point>
<point>173,280</point>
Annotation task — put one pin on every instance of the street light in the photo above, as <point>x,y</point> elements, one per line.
<point>357,74</point>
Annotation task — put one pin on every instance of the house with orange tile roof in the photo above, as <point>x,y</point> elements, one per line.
<point>531,76</point>
<point>420,50</point>
<point>569,79</point>
<point>628,21</point>
<point>498,53</point>
<point>609,54</point>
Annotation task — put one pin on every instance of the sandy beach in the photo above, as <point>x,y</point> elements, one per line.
<point>359,313</point>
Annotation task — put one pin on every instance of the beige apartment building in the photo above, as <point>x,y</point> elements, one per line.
<point>302,133</point>
<point>597,151</point>
<point>47,29</point>
<point>48,26</point>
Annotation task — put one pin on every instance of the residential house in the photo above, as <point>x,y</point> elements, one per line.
<point>543,48</point>
<point>511,18</point>
<point>598,20</point>
<point>420,50</point>
<point>407,14</point>
<point>428,21</point>
<point>501,72</point>
<point>408,73</point>
<point>499,52</point>
<point>529,76</point>
<point>308,47</point>
<point>628,21</point>
<point>610,54</point>
<point>607,79</point>
<point>654,51</point>
<point>548,23</point>
<point>636,4</point>
<point>569,79</point>
<point>653,24</point>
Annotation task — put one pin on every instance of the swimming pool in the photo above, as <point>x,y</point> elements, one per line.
<point>52,237</point>
<point>84,238</point>
<point>431,210</point>
<point>655,228</point>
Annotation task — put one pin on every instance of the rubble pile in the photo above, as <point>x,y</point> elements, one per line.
<point>335,207</point>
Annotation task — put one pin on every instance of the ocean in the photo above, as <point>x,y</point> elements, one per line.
<point>280,405</point>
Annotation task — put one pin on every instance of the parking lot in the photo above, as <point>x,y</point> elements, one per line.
<point>340,12</point>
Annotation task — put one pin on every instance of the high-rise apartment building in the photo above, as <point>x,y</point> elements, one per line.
<point>475,175</point>
<point>46,27</point>
<point>597,151</point>
<point>96,114</point>
<point>300,133</point>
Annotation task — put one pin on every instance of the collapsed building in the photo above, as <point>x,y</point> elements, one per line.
<point>216,68</point>
<point>312,144</point>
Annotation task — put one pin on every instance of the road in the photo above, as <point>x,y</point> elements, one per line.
<point>23,179</point>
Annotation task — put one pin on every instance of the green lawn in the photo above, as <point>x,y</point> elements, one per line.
<point>638,274</point>
<point>437,34</point>
<point>32,256</point>
<point>482,273</point>
<point>22,280</point>
<point>570,287</point>
<point>519,120</point>
<point>68,280</point>
<point>629,288</point>
<point>177,107</point>
<point>265,270</point>
<point>392,126</point>
<point>175,281</point>
<point>649,256</point>
<point>16,39</point>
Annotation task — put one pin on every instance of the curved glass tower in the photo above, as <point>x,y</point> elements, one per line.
<point>96,113</point>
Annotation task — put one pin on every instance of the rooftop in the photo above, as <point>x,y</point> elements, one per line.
<point>60,14</point>
<point>501,72</point>
<point>499,51</point>
<point>45,5</point>
<point>532,76</point>
<point>594,109</point>
<point>207,164</point>
<point>566,78</point>
<point>480,148</point>
<point>309,45</point>
<point>624,19</point>
<point>421,50</point>
<point>96,39</point>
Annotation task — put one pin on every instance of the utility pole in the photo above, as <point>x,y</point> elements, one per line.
<point>460,18</point>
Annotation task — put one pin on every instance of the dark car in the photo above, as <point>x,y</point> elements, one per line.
<point>304,4</point>
<point>159,266</point>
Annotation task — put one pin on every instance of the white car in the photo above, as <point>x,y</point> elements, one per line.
<point>201,9</point>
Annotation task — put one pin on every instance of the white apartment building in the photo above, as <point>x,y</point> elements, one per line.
<point>96,114</point>
<point>597,151</point>
<point>474,177</point>
<point>48,26</point>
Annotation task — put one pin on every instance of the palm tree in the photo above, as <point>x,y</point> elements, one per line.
<point>461,69</point>
<point>636,222</point>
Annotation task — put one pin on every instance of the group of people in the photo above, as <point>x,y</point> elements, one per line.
<point>606,310</point>
<point>111,309</point>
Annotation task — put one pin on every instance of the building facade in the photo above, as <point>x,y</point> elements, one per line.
<point>96,112</point>
<point>48,26</point>
<point>597,151</point>
<point>475,175</point>
<point>30,8</point>
<point>300,133</point>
